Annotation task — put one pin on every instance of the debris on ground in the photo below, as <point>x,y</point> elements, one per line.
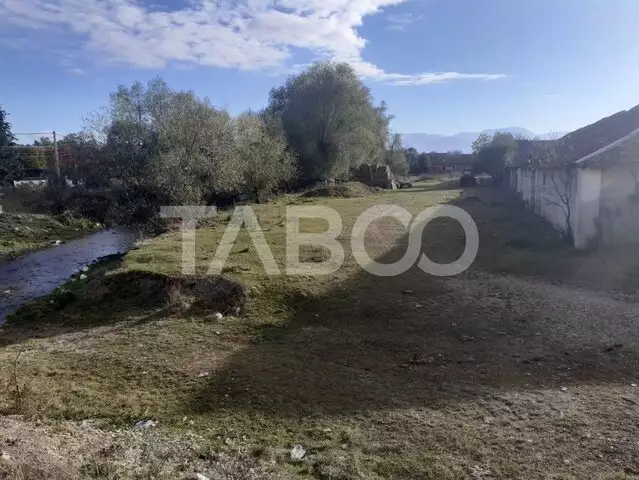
<point>196,476</point>
<point>218,316</point>
<point>144,424</point>
<point>297,453</point>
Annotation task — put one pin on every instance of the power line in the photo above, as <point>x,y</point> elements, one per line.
<point>18,147</point>
<point>35,133</point>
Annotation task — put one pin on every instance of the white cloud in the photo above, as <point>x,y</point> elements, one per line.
<point>243,34</point>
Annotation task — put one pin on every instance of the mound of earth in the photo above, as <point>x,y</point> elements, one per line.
<point>344,190</point>
<point>176,292</point>
<point>135,290</point>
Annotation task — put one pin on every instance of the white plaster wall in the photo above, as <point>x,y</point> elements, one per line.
<point>604,203</point>
<point>587,206</point>
<point>556,188</point>
<point>619,218</point>
<point>542,190</point>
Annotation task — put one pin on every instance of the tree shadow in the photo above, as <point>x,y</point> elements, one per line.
<point>415,340</point>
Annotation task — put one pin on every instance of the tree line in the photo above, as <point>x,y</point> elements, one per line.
<point>164,146</point>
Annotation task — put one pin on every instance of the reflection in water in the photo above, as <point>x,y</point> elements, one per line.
<point>39,273</point>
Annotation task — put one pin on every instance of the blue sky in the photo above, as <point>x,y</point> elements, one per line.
<point>443,66</point>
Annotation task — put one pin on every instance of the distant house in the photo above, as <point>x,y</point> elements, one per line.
<point>32,178</point>
<point>586,183</point>
<point>35,178</point>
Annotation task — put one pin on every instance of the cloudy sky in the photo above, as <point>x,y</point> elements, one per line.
<point>443,66</point>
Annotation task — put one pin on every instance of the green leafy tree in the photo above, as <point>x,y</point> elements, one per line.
<point>423,162</point>
<point>495,155</point>
<point>482,141</point>
<point>330,120</point>
<point>10,164</point>
<point>43,142</point>
<point>412,157</point>
<point>264,159</point>
<point>7,138</point>
<point>395,157</point>
<point>172,147</point>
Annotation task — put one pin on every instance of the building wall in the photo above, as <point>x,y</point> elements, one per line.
<point>619,219</point>
<point>604,202</point>
<point>587,206</point>
<point>544,191</point>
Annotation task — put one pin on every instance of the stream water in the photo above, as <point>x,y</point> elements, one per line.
<point>39,273</point>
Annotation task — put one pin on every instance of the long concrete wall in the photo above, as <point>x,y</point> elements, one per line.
<point>562,197</point>
<point>619,218</point>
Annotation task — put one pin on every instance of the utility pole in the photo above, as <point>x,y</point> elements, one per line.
<point>56,156</point>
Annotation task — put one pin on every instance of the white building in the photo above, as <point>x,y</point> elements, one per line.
<point>596,194</point>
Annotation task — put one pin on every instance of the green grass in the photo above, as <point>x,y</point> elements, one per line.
<point>23,230</point>
<point>22,233</point>
<point>400,378</point>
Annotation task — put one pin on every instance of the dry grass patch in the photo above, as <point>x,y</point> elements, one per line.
<point>81,450</point>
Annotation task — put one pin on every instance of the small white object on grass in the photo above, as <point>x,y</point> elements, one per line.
<point>57,242</point>
<point>564,389</point>
<point>196,476</point>
<point>297,453</point>
<point>218,316</point>
<point>85,269</point>
<point>144,424</point>
<point>83,277</point>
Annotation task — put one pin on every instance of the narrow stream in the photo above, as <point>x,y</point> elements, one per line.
<point>39,273</point>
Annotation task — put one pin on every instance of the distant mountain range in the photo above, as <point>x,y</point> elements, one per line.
<point>427,142</point>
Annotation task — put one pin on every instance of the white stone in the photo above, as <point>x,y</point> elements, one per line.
<point>297,453</point>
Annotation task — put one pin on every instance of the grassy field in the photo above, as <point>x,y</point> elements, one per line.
<point>520,368</point>
<point>22,230</point>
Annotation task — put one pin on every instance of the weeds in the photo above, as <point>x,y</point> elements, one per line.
<point>19,392</point>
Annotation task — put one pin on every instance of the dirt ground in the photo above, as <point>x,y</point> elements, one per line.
<point>524,367</point>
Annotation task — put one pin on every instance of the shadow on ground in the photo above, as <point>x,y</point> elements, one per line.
<point>417,340</point>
